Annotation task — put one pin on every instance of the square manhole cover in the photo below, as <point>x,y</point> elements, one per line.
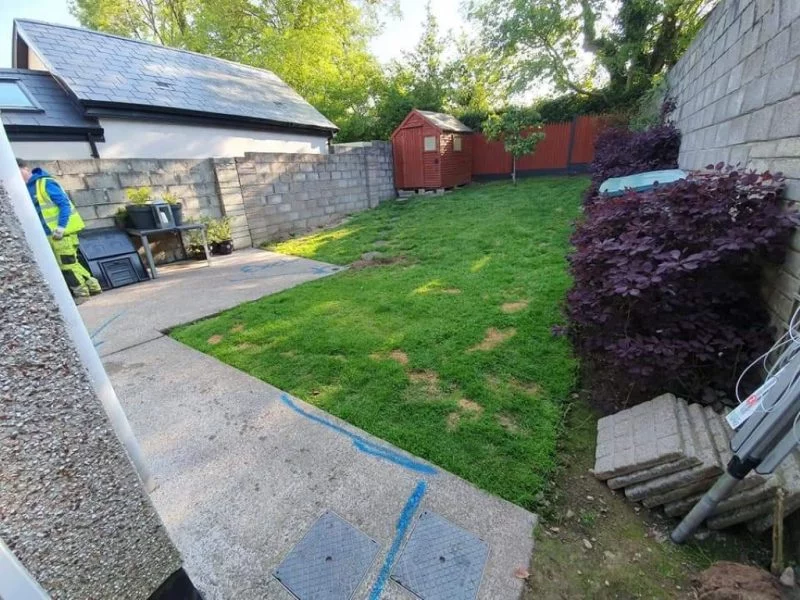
<point>441,561</point>
<point>329,562</point>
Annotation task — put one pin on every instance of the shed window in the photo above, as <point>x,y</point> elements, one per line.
<point>430,143</point>
<point>13,96</point>
<point>457,143</point>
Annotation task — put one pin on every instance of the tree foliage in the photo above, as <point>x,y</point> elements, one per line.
<point>518,128</point>
<point>569,43</point>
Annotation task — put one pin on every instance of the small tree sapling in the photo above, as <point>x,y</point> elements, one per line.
<point>519,129</point>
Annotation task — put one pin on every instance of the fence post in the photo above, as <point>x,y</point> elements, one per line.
<point>571,143</point>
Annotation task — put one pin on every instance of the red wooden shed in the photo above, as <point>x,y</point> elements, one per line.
<point>431,150</point>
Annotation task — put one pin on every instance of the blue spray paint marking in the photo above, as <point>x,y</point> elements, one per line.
<point>255,271</point>
<point>324,270</point>
<point>412,504</point>
<point>263,267</point>
<point>361,444</point>
<point>105,324</point>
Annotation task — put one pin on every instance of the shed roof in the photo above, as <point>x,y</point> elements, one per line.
<point>108,70</point>
<point>56,111</point>
<point>444,121</point>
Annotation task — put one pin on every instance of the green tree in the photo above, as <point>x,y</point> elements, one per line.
<point>319,47</point>
<point>476,79</point>
<point>519,129</point>
<point>627,41</point>
<point>420,79</point>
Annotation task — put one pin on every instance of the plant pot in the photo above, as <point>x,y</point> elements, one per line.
<point>177,214</point>
<point>121,221</point>
<point>196,252</point>
<point>222,248</point>
<point>141,216</point>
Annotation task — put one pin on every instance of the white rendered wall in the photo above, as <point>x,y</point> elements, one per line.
<point>145,139</point>
<point>34,62</point>
<point>51,150</point>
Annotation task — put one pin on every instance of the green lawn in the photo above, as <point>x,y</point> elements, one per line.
<point>446,350</point>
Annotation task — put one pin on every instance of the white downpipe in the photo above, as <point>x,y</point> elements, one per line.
<point>43,255</point>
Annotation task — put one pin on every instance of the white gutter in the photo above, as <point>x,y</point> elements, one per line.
<point>43,255</point>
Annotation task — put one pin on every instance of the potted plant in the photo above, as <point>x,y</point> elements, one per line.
<point>220,234</point>
<point>193,241</point>
<point>175,205</point>
<point>138,209</point>
<point>121,218</point>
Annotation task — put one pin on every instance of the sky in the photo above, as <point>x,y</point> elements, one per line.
<point>55,11</point>
<point>399,34</point>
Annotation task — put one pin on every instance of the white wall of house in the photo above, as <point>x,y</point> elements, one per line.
<point>145,139</point>
<point>34,62</point>
<point>51,150</point>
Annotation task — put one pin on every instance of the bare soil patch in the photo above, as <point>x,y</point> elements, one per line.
<point>399,356</point>
<point>245,346</point>
<point>507,423</point>
<point>238,328</point>
<point>453,419</point>
<point>729,581</point>
<point>470,406</point>
<point>514,307</point>
<point>428,379</point>
<point>376,259</point>
<point>494,337</point>
<point>466,408</point>
<point>214,339</point>
<point>529,387</point>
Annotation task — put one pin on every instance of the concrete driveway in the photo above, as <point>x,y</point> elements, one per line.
<point>244,471</point>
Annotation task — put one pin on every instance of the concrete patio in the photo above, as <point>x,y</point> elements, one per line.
<point>244,470</point>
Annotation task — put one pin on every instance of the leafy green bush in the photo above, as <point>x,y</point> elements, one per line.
<point>138,196</point>
<point>219,230</point>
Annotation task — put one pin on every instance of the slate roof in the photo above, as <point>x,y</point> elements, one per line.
<point>101,69</point>
<point>57,109</point>
<point>445,122</point>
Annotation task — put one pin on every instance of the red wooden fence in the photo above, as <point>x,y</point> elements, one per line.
<point>566,147</point>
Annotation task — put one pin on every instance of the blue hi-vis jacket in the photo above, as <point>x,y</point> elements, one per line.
<point>57,195</point>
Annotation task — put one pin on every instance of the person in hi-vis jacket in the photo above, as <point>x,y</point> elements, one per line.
<point>61,223</point>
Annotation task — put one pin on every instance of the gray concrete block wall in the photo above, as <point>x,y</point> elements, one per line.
<point>72,508</point>
<point>266,195</point>
<point>98,189</point>
<point>285,194</point>
<point>229,194</point>
<point>738,93</point>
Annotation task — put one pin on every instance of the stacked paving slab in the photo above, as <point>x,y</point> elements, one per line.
<point>667,453</point>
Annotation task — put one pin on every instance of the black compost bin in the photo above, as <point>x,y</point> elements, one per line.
<point>111,257</point>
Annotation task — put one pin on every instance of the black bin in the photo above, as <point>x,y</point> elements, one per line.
<point>110,256</point>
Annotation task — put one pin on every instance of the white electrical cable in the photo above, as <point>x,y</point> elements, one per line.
<point>791,339</point>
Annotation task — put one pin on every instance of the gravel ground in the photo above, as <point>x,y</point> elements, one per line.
<point>71,506</point>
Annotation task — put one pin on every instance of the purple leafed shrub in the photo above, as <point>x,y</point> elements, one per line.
<point>619,152</point>
<point>666,293</point>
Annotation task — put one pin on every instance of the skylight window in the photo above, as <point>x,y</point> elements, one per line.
<point>14,97</point>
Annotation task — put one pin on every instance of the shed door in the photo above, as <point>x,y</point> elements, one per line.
<point>411,147</point>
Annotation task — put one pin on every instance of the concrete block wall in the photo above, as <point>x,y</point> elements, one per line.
<point>738,94</point>
<point>266,195</point>
<point>98,189</point>
<point>72,508</point>
<point>291,193</point>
